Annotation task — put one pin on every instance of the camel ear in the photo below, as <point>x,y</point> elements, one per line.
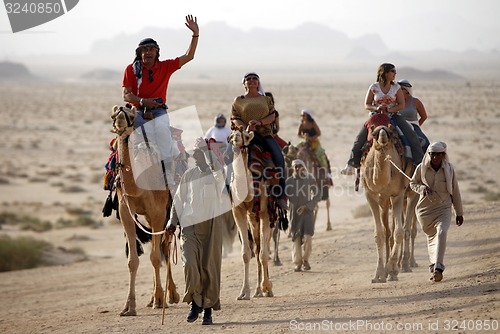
<point>113,112</point>
<point>250,136</point>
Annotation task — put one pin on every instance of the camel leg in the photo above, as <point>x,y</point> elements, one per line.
<point>328,223</point>
<point>133,260</point>
<point>173,295</point>
<point>397,209</point>
<point>239,214</point>
<point>276,239</point>
<point>380,275</point>
<point>384,219</point>
<point>155,257</point>
<point>409,221</point>
<point>265,236</point>
<point>258,245</point>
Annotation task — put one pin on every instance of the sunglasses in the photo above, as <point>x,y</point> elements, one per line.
<point>150,76</point>
<point>432,154</point>
<point>393,71</point>
<point>251,78</point>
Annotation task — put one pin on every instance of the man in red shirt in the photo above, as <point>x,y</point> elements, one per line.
<point>145,84</point>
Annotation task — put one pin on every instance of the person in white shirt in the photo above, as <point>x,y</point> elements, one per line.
<point>219,131</point>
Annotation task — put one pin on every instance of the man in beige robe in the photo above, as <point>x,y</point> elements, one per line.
<point>436,182</point>
<point>199,206</point>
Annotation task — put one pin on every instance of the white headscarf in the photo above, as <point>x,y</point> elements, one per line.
<point>447,167</point>
<point>406,85</point>
<point>307,111</point>
<point>298,162</point>
<point>260,88</point>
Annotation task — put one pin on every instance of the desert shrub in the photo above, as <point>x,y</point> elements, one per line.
<point>21,253</point>
<point>492,197</point>
<point>362,211</point>
<point>25,223</point>
<point>77,211</point>
<point>4,180</point>
<point>37,179</point>
<point>85,221</point>
<point>479,190</point>
<point>35,225</point>
<point>72,189</point>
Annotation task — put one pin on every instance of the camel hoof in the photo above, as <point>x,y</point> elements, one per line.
<point>379,280</point>
<point>269,294</point>
<point>414,264</point>
<point>329,227</point>
<point>128,313</point>
<point>278,263</point>
<point>258,293</point>
<point>243,297</point>
<point>393,277</point>
<point>406,269</point>
<point>173,298</point>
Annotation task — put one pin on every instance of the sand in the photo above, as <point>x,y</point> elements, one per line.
<point>55,137</point>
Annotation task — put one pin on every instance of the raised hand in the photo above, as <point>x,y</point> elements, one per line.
<point>192,24</point>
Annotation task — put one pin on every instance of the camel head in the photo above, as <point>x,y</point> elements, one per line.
<point>381,136</point>
<point>290,151</point>
<point>123,119</point>
<point>240,137</point>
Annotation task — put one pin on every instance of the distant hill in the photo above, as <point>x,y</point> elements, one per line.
<point>435,74</point>
<point>102,75</point>
<point>9,70</point>
<point>306,51</point>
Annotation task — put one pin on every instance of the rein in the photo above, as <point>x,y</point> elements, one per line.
<point>388,157</point>
<point>125,199</point>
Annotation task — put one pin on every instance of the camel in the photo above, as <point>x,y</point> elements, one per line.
<point>305,153</point>
<point>385,187</point>
<point>153,205</point>
<point>242,191</point>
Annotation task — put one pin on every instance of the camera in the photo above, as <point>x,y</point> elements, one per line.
<point>158,100</point>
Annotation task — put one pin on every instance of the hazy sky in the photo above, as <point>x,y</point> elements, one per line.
<point>403,25</point>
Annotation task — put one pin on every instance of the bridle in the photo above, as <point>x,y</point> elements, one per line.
<point>128,118</point>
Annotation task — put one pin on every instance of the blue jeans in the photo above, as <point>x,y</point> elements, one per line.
<point>419,133</point>
<point>279,162</point>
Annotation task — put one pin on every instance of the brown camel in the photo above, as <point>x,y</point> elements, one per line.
<point>152,204</point>
<point>305,153</point>
<point>260,229</point>
<point>385,187</point>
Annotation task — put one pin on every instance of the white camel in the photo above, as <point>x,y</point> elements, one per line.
<point>243,201</point>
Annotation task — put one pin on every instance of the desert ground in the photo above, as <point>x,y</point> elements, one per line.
<point>52,156</point>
